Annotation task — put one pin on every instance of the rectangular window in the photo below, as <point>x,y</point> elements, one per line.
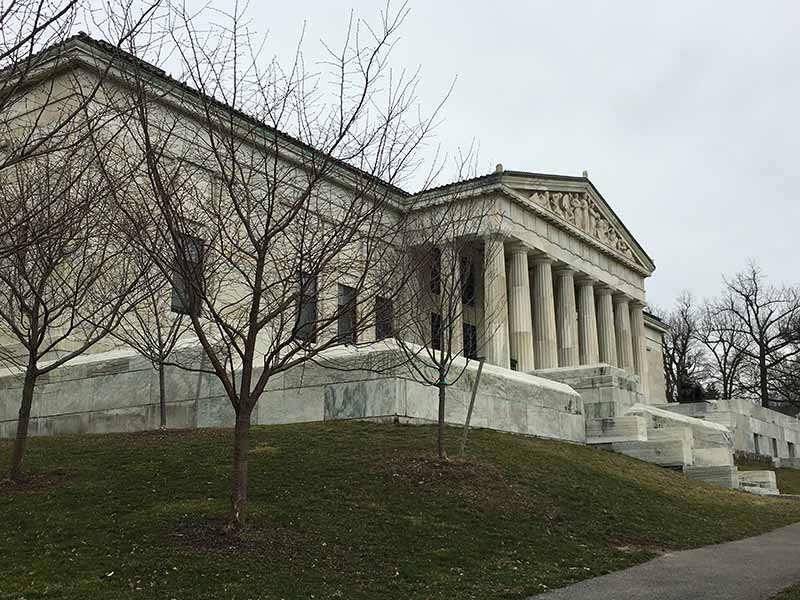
<point>437,335</point>
<point>306,309</point>
<point>774,447</point>
<point>470,341</point>
<point>384,318</point>
<point>436,272</point>
<point>755,443</point>
<point>467,280</point>
<point>791,450</point>
<point>187,279</point>
<point>346,323</point>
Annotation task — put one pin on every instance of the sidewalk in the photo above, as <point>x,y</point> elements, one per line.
<point>755,568</point>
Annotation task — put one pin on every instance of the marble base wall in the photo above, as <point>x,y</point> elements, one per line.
<point>606,391</point>
<point>750,424</point>
<point>121,395</point>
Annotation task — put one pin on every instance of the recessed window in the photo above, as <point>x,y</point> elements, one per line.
<point>187,278</point>
<point>468,280</point>
<point>437,335</point>
<point>346,323</point>
<point>306,308</point>
<point>436,272</point>
<point>384,318</point>
<point>470,341</point>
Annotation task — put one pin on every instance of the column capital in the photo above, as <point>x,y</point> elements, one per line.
<point>639,304</point>
<point>620,298</point>
<point>542,259</point>
<point>582,280</point>
<point>564,270</point>
<point>518,248</point>
<point>604,290</point>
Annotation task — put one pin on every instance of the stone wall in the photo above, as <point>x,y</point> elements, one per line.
<point>606,391</point>
<point>119,392</point>
<point>755,429</point>
<point>654,351</point>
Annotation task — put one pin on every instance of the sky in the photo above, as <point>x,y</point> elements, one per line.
<point>684,113</point>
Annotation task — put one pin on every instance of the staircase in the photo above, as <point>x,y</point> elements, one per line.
<point>701,449</point>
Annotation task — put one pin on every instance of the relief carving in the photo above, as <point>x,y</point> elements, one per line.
<point>581,211</point>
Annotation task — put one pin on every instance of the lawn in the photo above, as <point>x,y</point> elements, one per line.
<point>346,510</point>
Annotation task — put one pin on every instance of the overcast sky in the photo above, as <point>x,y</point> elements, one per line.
<point>685,113</point>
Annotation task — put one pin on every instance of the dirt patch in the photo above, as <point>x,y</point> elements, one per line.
<point>481,483</point>
<point>273,541</point>
<point>32,484</point>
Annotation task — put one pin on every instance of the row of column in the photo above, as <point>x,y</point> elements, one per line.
<point>556,319</point>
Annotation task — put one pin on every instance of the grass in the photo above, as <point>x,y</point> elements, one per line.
<point>346,510</point>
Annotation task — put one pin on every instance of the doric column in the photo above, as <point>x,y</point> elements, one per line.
<point>495,303</point>
<point>622,329</point>
<point>587,323</point>
<point>639,345</point>
<point>520,324</point>
<point>544,314</point>
<point>606,341</point>
<point>566,318</point>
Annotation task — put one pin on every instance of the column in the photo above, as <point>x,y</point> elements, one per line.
<point>519,310</point>
<point>606,341</point>
<point>639,346</point>
<point>589,353</point>
<point>566,318</point>
<point>495,304</point>
<point>544,314</point>
<point>622,329</point>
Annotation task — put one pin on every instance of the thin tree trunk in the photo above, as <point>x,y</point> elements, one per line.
<point>162,396</point>
<point>241,447</point>
<point>440,428</point>
<point>15,473</point>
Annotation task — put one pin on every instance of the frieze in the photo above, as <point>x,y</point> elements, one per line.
<point>580,211</point>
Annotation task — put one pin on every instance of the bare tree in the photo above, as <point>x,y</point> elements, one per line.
<point>724,345</point>
<point>155,326</point>
<point>61,293</point>
<point>437,335</point>
<point>274,260</point>
<point>763,315</point>
<point>683,356</point>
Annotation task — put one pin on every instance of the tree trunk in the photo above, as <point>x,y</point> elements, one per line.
<point>241,447</point>
<point>15,473</point>
<point>762,375</point>
<point>162,393</point>
<point>440,428</point>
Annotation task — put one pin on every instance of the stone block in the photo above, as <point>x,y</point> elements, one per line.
<point>665,453</point>
<point>764,479</point>
<point>616,429</point>
<point>723,476</point>
<point>712,457</point>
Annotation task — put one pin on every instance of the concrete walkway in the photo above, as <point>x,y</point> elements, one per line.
<point>755,568</point>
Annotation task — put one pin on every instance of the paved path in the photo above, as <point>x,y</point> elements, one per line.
<point>755,568</point>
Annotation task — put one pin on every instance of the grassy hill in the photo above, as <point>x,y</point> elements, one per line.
<point>346,510</point>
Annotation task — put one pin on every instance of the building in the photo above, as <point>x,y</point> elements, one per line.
<point>559,307</point>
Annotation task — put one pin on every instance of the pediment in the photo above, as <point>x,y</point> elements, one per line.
<point>584,212</point>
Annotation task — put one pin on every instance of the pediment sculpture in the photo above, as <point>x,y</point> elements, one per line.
<point>579,210</point>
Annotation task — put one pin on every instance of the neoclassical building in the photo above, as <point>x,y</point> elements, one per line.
<point>559,303</point>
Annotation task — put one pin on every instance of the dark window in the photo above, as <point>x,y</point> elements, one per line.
<point>467,280</point>
<point>513,364</point>
<point>791,450</point>
<point>346,323</point>
<point>437,335</point>
<point>436,271</point>
<point>774,447</point>
<point>187,280</point>
<point>470,340</point>
<point>755,443</point>
<point>305,326</point>
<point>384,318</point>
